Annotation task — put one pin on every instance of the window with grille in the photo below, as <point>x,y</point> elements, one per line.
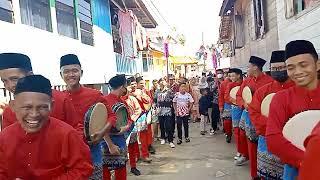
<point>36,13</point>
<point>66,18</point>
<point>85,17</point>
<point>301,5</point>
<point>6,13</point>
<point>147,61</point>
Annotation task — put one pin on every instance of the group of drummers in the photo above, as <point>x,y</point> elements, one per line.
<point>275,117</point>
<point>81,134</point>
<point>74,134</point>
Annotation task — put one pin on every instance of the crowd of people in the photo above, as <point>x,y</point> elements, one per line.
<point>44,131</point>
<point>292,89</point>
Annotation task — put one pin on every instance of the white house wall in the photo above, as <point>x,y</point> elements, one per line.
<point>305,25</point>
<point>261,47</point>
<point>45,49</point>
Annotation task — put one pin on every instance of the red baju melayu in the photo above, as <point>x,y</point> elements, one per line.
<point>285,105</point>
<point>236,129</point>
<point>144,136</point>
<point>112,100</point>
<point>133,147</point>
<point>257,119</point>
<point>221,92</point>
<point>226,115</point>
<point>269,165</point>
<point>56,152</point>
<point>82,99</point>
<point>309,169</point>
<point>242,140</point>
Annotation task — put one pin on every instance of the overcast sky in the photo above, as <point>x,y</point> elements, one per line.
<point>192,18</point>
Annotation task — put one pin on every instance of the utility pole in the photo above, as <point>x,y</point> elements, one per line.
<point>204,59</point>
<point>166,54</point>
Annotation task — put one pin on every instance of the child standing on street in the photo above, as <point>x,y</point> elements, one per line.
<point>204,104</point>
<point>182,104</point>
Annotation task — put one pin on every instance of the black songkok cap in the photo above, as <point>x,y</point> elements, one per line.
<point>139,79</point>
<point>15,60</point>
<point>34,83</point>
<point>298,47</point>
<point>69,59</point>
<point>132,79</point>
<point>235,70</point>
<point>257,61</point>
<point>278,56</point>
<point>117,81</point>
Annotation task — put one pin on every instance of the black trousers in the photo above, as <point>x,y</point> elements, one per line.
<point>185,122</point>
<point>166,127</point>
<point>215,116</point>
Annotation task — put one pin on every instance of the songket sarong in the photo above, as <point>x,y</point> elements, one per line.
<point>250,129</point>
<point>236,113</point>
<point>269,165</point>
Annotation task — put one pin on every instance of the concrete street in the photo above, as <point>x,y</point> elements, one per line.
<point>204,158</point>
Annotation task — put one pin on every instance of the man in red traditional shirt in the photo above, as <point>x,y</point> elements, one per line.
<point>142,98</point>
<point>118,85</point>
<point>309,169</point>
<point>243,144</point>
<point>226,108</point>
<point>269,166</point>
<point>135,113</point>
<point>141,84</point>
<point>236,111</point>
<point>14,66</point>
<point>83,98</point>
<point>38,146</point>
<point>301,62</point>
<point>259,78</point>
<point>222,91</point>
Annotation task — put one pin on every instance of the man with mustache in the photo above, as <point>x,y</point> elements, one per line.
<point>38,146</point>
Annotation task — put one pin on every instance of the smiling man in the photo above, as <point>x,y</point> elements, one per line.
<point>14,66</point>
<point>301,62</point>
<point>83,98</point>
<point>38,146</point>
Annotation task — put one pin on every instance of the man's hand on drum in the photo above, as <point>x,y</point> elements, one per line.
<point>246,106</point>
<point>97,137</point>
<point>124,129</point>
<point>114,150</point>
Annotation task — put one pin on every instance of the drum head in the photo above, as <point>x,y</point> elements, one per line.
<point>233,92</point>
<point>122,117</point>
<point>95,119</point>
<point>300,126</point>
<point>265,105</point>
<point>247,95</point>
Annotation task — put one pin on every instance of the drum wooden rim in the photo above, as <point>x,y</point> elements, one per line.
<point>119,114</point>
<point>95,119</point>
